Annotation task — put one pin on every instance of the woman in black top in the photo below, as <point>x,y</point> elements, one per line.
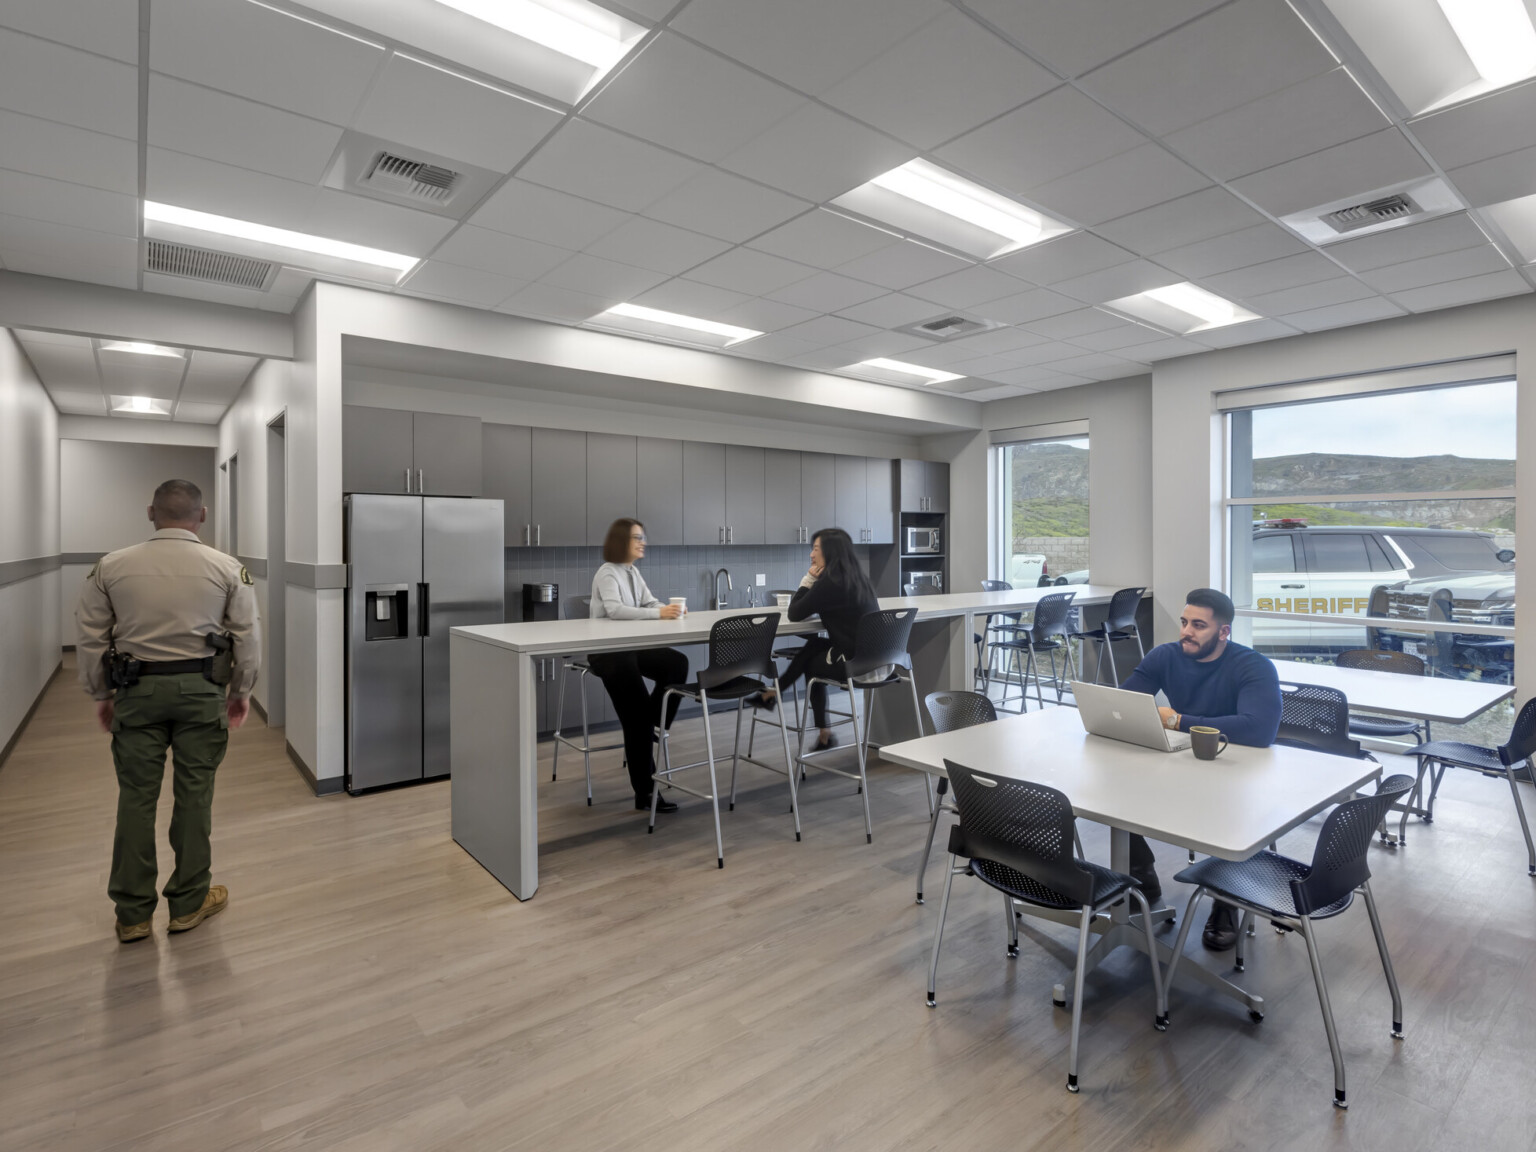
<point>836,589</point>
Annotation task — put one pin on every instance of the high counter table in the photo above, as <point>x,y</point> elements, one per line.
<point>494,731</point>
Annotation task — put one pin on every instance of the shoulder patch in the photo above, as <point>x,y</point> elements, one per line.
<point>245,575</point>
<point>95,568</point>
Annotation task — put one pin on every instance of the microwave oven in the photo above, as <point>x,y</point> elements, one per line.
<point>934,580</point>
<point>925,540</point>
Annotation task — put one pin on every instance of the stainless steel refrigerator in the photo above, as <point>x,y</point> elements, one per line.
<point>417,566</point>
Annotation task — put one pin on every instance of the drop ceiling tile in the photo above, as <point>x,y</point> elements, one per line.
<point>967,288</point>
<point>1296,121</point>
<point>213,376</point>
<point>1287,272</point>
<point>421,106</point>
<point>61,152</point>
<point>892,311</point>
<point>1063,258</point>
<point>72,204</point>
<point>690,298</point>
<point>824,240</point>
<point>1252,332</point>
<point>1099,366</point>
<point>1070,325</point>
<point>1489,286</point>
<point>460,285</point>
<point>1073,36</point>
<point>749,271</point>
<point>827,330</point>
<point>185,118</point>
<point>983,367</point>
<point>209,186</point>
<point>546,302</point>
<point>284,61</point>
<point>1198,216</point>
<point>69,253</point>
<point>765,315</point>
<point>773,348</point>
<point>657,246</point>
<point>1113,283</point>
<point>902,265</point>
<point>1500,122</point>
<point>817,154</point>
<point>30,336</point>
<point>684,97</point>
<point>1122,341</point>
<point>969,76</point>
<point>360,220</point>
<point>1039,379</point>
<point>808,44</point>
<point>1517,220</point>
<point>271,300</point>
<point>1220,61</point>
<point>80,403</point>
<point>1322,294</point>
<point>1036,304</point>
<point>538,213</point>
<point>1001,341</point>
<point>1060,133</point>
<point>726,206</point>
<point>67,369</point>
<point>1500,178</point>
<point>604,279</point>
<point>1342,315</point>
<point>1426,270</point>
<point>191,413</point>
<point>998,392</point>
<point>1156,350</point>
<point>941,356</point>
<point>596,163</point>
<point>1122,184</point>
<point>510,256</point>
<point>106,27</point>
<point>1351,169</point>
<point>1398,245</point>
<point>881,344</point>
<point>69,86</point>
<point>1235,250</point>
<point>826,292</point>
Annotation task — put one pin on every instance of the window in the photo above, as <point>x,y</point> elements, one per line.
<point>1274,554</point>
<point>1042,528</point>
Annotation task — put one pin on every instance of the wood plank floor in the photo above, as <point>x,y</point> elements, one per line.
<point>371,988</point>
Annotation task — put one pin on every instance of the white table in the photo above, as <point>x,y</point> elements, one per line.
<point>1394,694</point>
<point>1229,807</point>
<point>494,730</point>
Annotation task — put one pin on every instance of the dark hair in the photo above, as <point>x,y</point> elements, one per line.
<point>616,543</point>
<point>1219,603</point>
<point>179,500</point>
<point>840,564</point>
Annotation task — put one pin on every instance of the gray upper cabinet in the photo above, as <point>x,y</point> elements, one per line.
<point>611,479</point>
<point>377,450</point>
<point>559,492</point>
<point>818,493</point>
<point>852,495</point>
<point>938,487</point>
<point>703,493</point>
<point>881,501</point>
<point>924,486</point>
<point>447,453</point>
<point>744,507</point>
<point>659,489</point>
<point>782,520</point>
<point>507,471</point>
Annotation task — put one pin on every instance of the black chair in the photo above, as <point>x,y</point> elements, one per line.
<point>740,663</point>
<point>1048,634</point>
<point>1294,895</point>
<point>788,652</point>
<point>1312,716</point>
<point>1384,727</point>
<point>1119,624</point>
<point>1501,761</point>
<point>1004,625</point>
<point>950,711</point>
<point>577,608</point>
<point>1017,838</point>
<point>880,660</point>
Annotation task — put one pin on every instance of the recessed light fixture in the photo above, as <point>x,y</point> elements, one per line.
<point>261,234</point>
<point>901,368</point>
<point>638,319</point>
<point>142,349</point>
<point>572,28</point>
<point>143,405</point>
<point>925,200</point>
<point>1182,308</point>
<point>1498,37</point>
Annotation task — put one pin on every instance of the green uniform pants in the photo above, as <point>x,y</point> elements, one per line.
<point>184,713</point>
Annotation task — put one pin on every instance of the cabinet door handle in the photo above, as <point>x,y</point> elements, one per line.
<point>730,534</point>
<point>421,486</point>
<point>538,534</point>
<point>407,481</point>
<point>527,535</point>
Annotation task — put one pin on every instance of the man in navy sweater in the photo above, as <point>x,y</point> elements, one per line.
<point>1209,680</point>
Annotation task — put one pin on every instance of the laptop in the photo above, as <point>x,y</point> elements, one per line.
<point>1128,716</point>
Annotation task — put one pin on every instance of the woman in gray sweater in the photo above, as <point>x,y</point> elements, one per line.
<point>619,592</point>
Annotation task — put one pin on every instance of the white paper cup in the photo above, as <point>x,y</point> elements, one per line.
<point>783,598</point>
<point>681,602</point>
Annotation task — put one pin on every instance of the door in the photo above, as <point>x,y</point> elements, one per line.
<point>818,493</point>
<point>611,480</point>
<point>447,451</point>
<point>881,501</point>
<point>744,510</point>
<point>659,489</point>
<point>852,496</point>
<point>938,486</point>
<point>559,490</point>
<point>377,450</point>
<point>463,583</point>
<point>507,461</point>
<point>914,485</point>
<point>781,497</point>
<point>703,493</point>
<point>275,637</point>
<point>383,672</point>
<point>1342,568</point>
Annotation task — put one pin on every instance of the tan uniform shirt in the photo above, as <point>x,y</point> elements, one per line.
<point>158,600</point>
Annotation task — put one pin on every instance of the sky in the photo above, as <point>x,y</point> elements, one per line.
<point>1472,421</point>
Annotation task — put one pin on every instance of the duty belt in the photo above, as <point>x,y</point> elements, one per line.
<point>170,667</point>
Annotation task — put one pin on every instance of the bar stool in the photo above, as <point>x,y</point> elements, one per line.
<point>1119,624</point>
<point>1050,633</point>
<point>1001,624</point>
<point>880,660</point>
<point>577,608</point>
<point>787,653</point>
<point>740,663</point>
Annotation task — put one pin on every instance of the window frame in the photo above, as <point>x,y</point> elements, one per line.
<point>1000,470</point>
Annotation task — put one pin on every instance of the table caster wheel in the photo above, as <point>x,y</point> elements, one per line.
<point>1255,1015</point>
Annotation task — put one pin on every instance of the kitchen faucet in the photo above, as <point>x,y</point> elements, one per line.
<point>719,601</point>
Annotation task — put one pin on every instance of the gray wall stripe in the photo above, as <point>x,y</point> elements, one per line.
<point>14,571</point>
<point>316,575</point>
<point>80,557</point>
<point>255,565</point>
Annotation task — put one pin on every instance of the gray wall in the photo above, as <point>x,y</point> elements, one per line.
<point>29,531</point>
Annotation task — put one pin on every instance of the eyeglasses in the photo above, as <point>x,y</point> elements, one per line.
<point>640,536</point>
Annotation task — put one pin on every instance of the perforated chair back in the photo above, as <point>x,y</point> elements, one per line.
<point>881,639</point>
<point>1373,660</point>
<point>1122,609</point>
<point>924,589</point>
<point>1312,716</point>
<point>1339,861</point>
<point>577,608</point>
<point>996,586</point>
<point>740,646</point>
<point>1522,737</point>
<point>952,711</point>
<point>1052,616</point>
<point>1021,825</point>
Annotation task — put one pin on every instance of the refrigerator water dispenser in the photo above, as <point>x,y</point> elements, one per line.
<point>386,612</point>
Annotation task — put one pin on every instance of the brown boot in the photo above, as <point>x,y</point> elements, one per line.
<point>128,933</point>
<point>217,897</point>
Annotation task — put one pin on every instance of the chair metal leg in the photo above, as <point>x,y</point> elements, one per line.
<point>554,768</point>
<point>1160,1021</point>
<point>1525,828</point>
<point>791,766</point>
<point>1071,662</point>
<point>1244,929</point>
<point>1414,800</point>
<point>1012,923</point>
<point>1030,669</point>
<point>1055,677</point>
<point>861,744</point>
<point>938,931</point>
<point>666,758</point>
<point>736,751</point>
<point>1114,673</point>
<point>1077,993</point>
<point>1386,961</point>
<point>714,786</point>
<point>933,825</point>
<point>1339,1099</point>
<point>1178,945</point>
<point>586,733</point>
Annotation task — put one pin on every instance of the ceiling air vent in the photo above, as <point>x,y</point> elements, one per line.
<point>1376,210</point>
<point>948,327</point>
<point>207,265</point>
<point>411,179</point>
<point>1358,216</point>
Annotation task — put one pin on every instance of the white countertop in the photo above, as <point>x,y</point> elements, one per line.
<point>1395,694</point>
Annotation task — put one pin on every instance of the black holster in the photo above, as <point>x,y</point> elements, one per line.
<point>220,667</point>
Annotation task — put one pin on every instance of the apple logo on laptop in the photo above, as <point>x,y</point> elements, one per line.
<point>1117,715</point>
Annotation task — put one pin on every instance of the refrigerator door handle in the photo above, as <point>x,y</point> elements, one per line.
<point>424,607</point>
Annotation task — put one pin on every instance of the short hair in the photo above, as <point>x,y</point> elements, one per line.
<point>178,500</point>
<point>1220,604</point>
<point>616,543</point>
